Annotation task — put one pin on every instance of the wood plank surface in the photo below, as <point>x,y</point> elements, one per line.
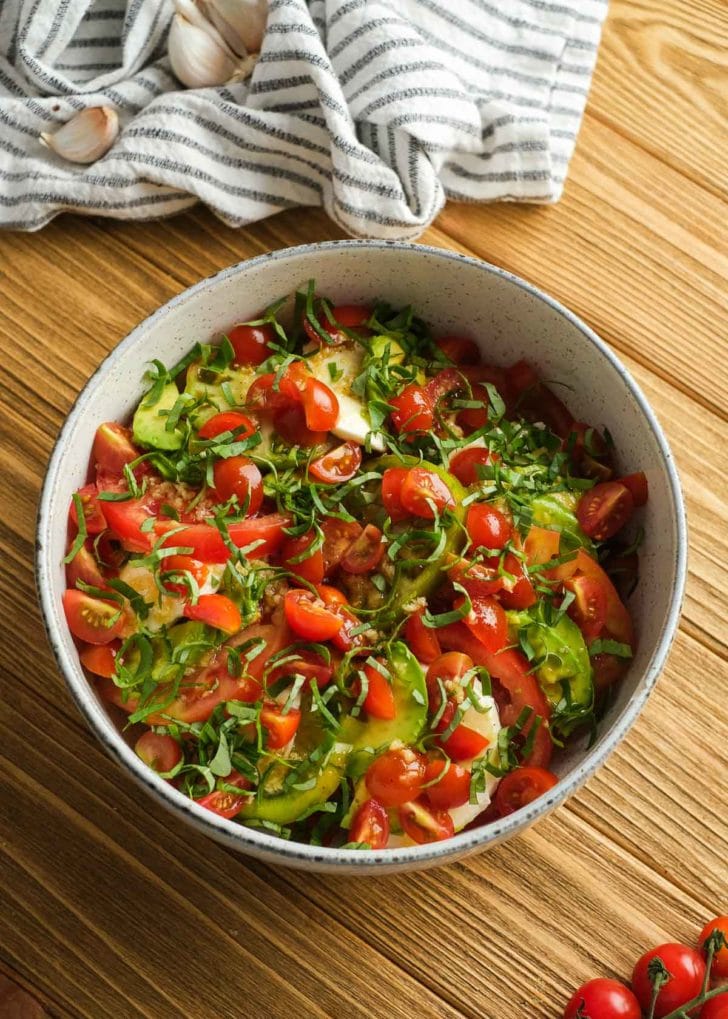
<point>111,908</point>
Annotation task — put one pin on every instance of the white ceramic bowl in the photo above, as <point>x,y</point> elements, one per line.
<point>511,319</point>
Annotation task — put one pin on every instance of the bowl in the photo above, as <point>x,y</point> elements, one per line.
<point>512,319</point>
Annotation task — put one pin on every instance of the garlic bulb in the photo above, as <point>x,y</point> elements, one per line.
<point>86,136</point>
<point>241,23</point>
<point>198,55</point>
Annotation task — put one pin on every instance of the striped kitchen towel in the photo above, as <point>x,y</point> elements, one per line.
<point>377,110</point>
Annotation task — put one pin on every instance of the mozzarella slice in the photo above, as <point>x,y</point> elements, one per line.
<point>165,609</point>
<point>346,359</point>
<point>487,723</point>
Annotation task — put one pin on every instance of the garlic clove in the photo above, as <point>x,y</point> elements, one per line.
<point>85,137</point>
<point>241,23</point>
<point>198,58</point>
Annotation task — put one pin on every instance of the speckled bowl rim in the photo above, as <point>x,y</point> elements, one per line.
<point>257,843</point>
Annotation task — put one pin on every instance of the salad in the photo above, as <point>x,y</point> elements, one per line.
<point>348,582</point>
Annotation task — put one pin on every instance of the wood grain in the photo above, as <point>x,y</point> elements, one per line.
<point>110,908</point>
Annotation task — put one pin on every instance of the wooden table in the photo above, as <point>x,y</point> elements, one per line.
<point>109,907</point>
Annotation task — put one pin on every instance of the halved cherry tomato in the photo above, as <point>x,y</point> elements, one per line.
<point>487,526</point>
<point>183,564</point>
<point>451,786</point>
<point>365,553</point>
<point>370,825</point>
<point>521,787</point>
<point>541,545</point>
<point>113,449</point>
<point>84,567</point>
<point>159,751</point>
<point>686,967</point>
<point>450,380</point>
<point>344,640</point>
<point>320,405</point>
<point>466,464</point>
<point>290,424</point>
<point>228,421</point>
<point>473,418</point>
<point>396,776</point>
<point>310,567</point>
<point>449,668</point>
<point>351,316</point>
<point>224,803</point>
<point>309,617</point>
<point>238,476</point>
<point>91,619</point>
<point>392,481</point>
<point>412,410</point>
<point>619,623</point>
<point>423,489</point>
<point>463,743</point>
<point>719,969</point>
<point>100,658</point>
<point>479,579</point>
<point>487,621</point>
<point>206,544</point>
<point>637,484</point>
<point>216,610</point>
<point>589,608</point>
<point>125,520</point>
<point>425,824</point>
<point>536,401</point>
<point>340,464</point>
<point>607,670</point>
<point>252,344</point>
<point>379,701</point>
<point>459,349</point>
<point>518,593</point>
<point>605,509</point>
<point>280,728</point>
<point>339,535</point>
<point>603,999</point>
<point>422,640</point>
<point>92,511</point>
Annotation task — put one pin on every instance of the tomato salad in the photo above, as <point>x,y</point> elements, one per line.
<point>350,583</point>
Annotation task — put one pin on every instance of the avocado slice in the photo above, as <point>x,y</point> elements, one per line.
<point>150,421</point>
<point>206,388</point>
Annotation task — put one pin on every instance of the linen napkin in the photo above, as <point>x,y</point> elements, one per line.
<point>377,110</point>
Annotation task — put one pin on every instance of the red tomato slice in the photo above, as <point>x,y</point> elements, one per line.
<point>451,786</point>
<point>425,824</point>
<point>280,729</point>
<point>238,476</point>
<point>605,509</point>
<point>589,608</point>
<point>420,489</point>
<point>487,526</point>
<point>370,825</point>
<point>339,535</point>
<point>125,521</point>
<point>637,484</point>
<point>113,449</point>
<point>84,567</point>
<point>309,617</point>
<point>92,512</point>
<point>392,481</point>
<point>216,610</point>
<point>228,421</point>
<point>379,701</point>
<point>252,344</point>
<point>463,743</point>
<point>487,621</point>
<point>341,464</point>
<point>365,553</point>
<point>207,545</point>
<point>465,465</point>
<point>422,640</point>
<point>91,619</point>
<point>100,658</point>
<point>412,412</point>
<point>459,349</point>
<point>159,751</point>
<point>311,567</point>
<point>521,787</point>
<point>396,776</point>
<point>227,804</point>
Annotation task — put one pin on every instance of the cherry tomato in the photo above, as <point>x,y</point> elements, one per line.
<point>605,509</point>
<point>536,401</point>
<point>603,999</point>
<point>420,489</point>
<point>473,418</point>
<point>351,316</point>
<point>637,484</point>
<point>719,969</point>
<point>290,423</point>
<point>339,536</point>
<point>181,564</point>
<point>113,449</point>
<point>686,967</point>
<point>466,465</point>
<point>392,481</point>
<point>521,787</point>
<point>309,617</point>
<point>487,621</point>
<point>607,670</point>
<point>207,544</point>
<point>84,567</point>
<point>541,545</point>
<point>159,751</point>
<point>252,344</point>
<point>589,608</point>
<point>518,593</point>
<point>450,380</point>
<point>365,553</point>
<point>92,513</point>
<point>422,640</point>
<point>228,421</point>
<point>412,410</point>
<point>619,623</point>
<point>341,464</point>
<point>479,579</point>
<point>459,349</point>
<point>216,610</point>
<point>238,476</point>
<point>716,1008</point>
<point>125,520</point>
<point>425,824</point>
<point>451,786</point>
<point>370,825</point>
<point>332,596</point>
<point>463,743</point>
<point>91,619</point>
<point>100,658</point>
<point>396,776</point>
<point>344,640</point>
<point>379,701</point>
<point>487,526</point>
<point>280,729</point>
<point>224,803</point>
<point>310,567</point>
<point>320,405</point>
